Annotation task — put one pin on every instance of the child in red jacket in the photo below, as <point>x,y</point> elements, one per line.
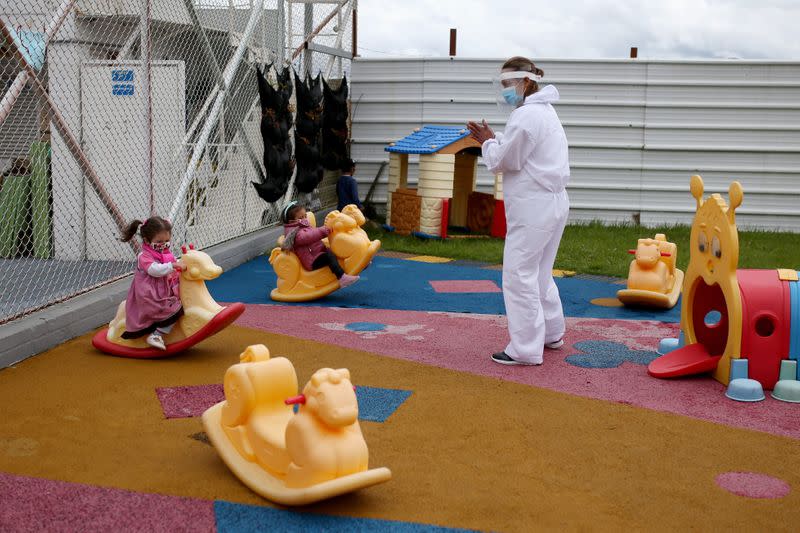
<point>306,242</point>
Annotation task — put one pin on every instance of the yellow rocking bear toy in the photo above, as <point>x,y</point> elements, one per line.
<point>348,241</point>
<point>653,279</point>
<point>288,458</point>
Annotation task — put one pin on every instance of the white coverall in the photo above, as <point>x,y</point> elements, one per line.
<point>532,155</point>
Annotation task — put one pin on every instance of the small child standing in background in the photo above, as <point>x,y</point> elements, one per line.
<point>306,242</point>
<point>153,305</point>
<point>347,187</point>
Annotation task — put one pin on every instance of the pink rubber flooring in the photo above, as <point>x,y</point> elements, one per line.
<point>33,504</point>
<point>465,285</point>
<point>189,401</point>
<point>464,342</point>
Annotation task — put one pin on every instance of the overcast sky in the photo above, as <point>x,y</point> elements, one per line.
<point>746,29</point>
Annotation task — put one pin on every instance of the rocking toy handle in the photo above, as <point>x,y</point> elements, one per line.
<point>663,254</point>
<point>300,398</point>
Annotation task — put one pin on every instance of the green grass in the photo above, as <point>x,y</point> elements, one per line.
<point>487,250</point>
<point>599,249</point>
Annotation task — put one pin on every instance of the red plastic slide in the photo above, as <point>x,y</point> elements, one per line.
<point>686,361</point>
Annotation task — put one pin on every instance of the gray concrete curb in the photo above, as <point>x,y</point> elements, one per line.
<point>59,323</point>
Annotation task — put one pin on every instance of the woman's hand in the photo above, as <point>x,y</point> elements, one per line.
<point>480,132</point>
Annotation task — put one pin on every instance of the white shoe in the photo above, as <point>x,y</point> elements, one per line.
<point>347,280</point>
<point>554,345</point>
<point>155,340</point>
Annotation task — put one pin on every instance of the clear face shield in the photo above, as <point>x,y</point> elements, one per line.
<point>509,88</point>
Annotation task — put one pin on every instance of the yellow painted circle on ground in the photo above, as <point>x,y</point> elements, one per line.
<point>430,259</point>
<point>607,302</point>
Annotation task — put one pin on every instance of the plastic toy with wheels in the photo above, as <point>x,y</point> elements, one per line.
<point>729,314</point>
<point>202,316</point>
<point>288,458</point>
<point>653,280</point>
<point>348,241</point>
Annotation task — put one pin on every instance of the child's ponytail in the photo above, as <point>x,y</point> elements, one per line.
<point>130,231</point>
<point>288,241</point>
<point>148,229</point>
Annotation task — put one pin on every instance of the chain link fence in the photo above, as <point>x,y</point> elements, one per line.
<point>113,110</point>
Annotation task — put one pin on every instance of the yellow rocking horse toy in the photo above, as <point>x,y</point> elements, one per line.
<point>202,316</point>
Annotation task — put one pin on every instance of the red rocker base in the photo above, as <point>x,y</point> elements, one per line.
<point>222,320</point>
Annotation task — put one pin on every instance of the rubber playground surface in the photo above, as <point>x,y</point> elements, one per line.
<point>588,441</point>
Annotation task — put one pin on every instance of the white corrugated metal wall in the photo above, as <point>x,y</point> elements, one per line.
<point>637,129</point>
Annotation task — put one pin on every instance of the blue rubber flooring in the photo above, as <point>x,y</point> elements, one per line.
<point>400,284</point>
<point>235,517</point>
<point>377,404</point>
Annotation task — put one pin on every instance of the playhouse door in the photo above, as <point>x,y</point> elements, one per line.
<point>464,176</point>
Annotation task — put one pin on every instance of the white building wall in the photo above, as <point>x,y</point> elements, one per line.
<point>114,136</point>
<point>637,129</point>
<point>67,178</point>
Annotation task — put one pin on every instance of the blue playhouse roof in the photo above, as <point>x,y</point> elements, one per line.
<point>32,46</point>
<point>428,140</point>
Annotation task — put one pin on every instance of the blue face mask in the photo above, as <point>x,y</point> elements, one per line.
<point>510,95</point>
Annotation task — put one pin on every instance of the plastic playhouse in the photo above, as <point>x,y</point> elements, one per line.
<point>653,279</point>
<point>445,194</point>
<point>286,457</point>
<point>202,316</point>
<point>742,325</point>
<point>348,241</point>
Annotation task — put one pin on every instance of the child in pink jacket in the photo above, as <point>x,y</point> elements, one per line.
<point>306,242</point>
<point>153,305</point>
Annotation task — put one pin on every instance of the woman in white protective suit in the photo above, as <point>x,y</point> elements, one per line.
<point>532,156</point>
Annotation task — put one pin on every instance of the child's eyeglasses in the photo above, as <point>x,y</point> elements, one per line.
<point>160,246</point>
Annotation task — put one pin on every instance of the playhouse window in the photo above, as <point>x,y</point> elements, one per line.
<point>712,318</point>
<point>765,326</point>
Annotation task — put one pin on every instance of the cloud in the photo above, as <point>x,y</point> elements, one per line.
<point>583,28</point>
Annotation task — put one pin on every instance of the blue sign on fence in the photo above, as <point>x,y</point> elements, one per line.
<point>122,75</point>
<point>122,89</point>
